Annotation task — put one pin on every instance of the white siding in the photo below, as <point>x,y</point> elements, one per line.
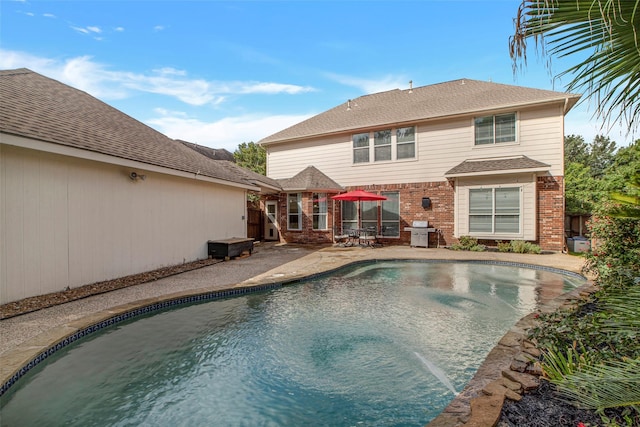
<point>69,222</point>
<point>441,145</point>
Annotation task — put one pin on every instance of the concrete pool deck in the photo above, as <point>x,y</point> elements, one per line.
<point>25,336</point>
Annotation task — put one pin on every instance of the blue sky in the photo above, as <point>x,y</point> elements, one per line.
<point>219,73</point>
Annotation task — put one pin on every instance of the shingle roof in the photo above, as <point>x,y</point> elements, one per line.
<point>478,166</point>
<point>212,153</point>
<point>310,179</point>
<point>37,107</point>
<point>422,103</point>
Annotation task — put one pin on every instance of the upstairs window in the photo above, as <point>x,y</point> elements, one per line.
<point>361,148</point>
<point>388,145</point>
<point>382,145</point>
<point>406,143</point>
<point>495,129</point>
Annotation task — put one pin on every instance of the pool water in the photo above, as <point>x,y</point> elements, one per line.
<point>385,344</point>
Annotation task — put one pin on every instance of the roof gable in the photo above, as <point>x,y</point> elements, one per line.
<point>37,107</point>
<point>397,106</point>
<point>310,179</point>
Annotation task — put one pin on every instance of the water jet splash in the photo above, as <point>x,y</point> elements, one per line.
<point>437,372</point>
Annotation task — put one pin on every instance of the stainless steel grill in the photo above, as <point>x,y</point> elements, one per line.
<point>420,233</point>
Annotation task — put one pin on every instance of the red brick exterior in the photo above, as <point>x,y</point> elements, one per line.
<point>550,215</point>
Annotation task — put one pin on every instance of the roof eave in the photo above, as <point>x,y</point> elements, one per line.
<point>497,172</point>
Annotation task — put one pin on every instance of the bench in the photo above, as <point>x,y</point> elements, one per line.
<point>229,248</point>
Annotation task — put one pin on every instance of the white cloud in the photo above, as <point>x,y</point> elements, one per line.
<point>118,29</point>
<point>49,15</point>
<point>375,85</point>
<point>272,88</point>
<point>87,30</point>
<point>225,133</point>
<point>169,71</point>
<point>158,28</point>
<point>84,73</point>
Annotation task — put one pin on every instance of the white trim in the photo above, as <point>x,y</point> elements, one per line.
<point>299,197</point>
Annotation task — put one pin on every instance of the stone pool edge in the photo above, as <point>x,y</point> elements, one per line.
<point>509,369</point>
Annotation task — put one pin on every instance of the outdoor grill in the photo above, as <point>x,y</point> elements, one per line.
<point>420,233</point>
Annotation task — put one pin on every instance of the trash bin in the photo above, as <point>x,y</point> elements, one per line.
<point>579,244</point>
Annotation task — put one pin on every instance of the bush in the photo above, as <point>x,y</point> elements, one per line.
<point>598,339</point>
<point>503,246</point>
<point>468,243</point>
<point>522,247</point>
<point>518,246</point>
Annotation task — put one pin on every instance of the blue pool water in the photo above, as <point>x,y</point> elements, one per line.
<point>385,344</point>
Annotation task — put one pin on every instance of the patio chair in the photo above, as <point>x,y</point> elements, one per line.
<point>339,236</point>
<point>369,237</point>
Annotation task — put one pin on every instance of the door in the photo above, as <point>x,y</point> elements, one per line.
<point>271,224</point>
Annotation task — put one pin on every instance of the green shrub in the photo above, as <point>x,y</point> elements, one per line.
<point>468,243</point>
<point>522,247</point>
<point>503,246</point>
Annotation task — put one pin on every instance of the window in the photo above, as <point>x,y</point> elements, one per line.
<point>494,210</point>
<point>349,216</point>
<point>294,212</point>
<point>495,129</point>
<point>390,215</point>
<point>406,143</point>
<point>382,145</point>
<point>388,145</point>
<point>319,211</point>
<point>369,213</point>
<point>361,148</point>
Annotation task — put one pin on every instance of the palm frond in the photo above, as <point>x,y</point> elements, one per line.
<point>614,385</point>
<point>603,34</point>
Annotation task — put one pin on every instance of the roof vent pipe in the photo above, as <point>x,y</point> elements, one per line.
<point>348,105</point>
<point>410,86</point>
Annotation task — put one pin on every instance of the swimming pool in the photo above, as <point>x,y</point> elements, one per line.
<point>385,343</point>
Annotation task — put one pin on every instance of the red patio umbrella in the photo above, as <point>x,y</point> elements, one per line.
<point>358,196</point>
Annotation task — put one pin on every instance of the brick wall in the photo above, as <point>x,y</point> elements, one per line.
<point>551,213</point>
<point>440,214</point>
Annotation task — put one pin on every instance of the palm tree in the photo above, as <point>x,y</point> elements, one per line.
<point>606,31</point>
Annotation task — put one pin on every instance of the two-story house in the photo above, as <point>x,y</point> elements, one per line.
<point>472,158</point>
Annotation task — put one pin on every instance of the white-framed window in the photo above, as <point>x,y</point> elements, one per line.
<point>369,213</point>
<point>406,143</point>
<point>495,129</point>
<point>294,211</point>
<point>495,210</point>
<point>361,147</point>
<point>349,218</point>
<point>390,216</point>
<point>388,145</point>
<point>319,211</point>
<point>382,145</point>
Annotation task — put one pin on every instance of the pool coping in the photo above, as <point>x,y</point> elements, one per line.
<point>17,361</point>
